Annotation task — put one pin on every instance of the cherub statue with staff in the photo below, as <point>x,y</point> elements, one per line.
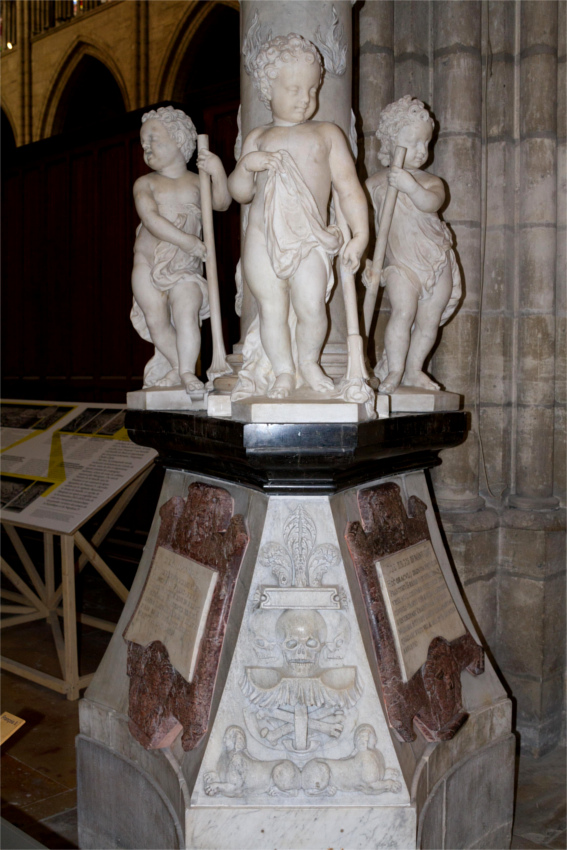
<point>171,297</point>
<point>422,277</point>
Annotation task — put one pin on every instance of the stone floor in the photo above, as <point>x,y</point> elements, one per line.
<point>540,803</point>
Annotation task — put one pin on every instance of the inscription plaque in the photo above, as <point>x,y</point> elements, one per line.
<point>173,608</point>
<point>418,602</point>
<point>323,598</point>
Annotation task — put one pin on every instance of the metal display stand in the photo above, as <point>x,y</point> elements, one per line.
<point>46,601</point>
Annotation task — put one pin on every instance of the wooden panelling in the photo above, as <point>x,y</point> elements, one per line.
<point>69,225</point>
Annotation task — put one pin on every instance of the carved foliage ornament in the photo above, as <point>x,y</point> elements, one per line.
<point>256,36</point>
<point>300,563</point>
<point>432,697</point>
<point>161,702</point>
<point>298,567</point>
<point>333,46</point>
<point>331,42</point>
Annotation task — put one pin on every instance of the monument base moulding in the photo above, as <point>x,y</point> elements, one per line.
<point>295,666</point>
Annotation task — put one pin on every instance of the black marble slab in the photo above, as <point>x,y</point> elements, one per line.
<point>305,458</point>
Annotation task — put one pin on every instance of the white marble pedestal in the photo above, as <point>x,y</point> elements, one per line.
<point>166,398</point>
<point>299,753</point>
<point>415,400</point>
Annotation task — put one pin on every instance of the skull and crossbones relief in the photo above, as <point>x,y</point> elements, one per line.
<point>302,635</point>
<point>301,703</point>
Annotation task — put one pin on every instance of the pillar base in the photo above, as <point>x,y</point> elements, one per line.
<point>533,503</point>
<point>471,505</point>
<point>280,745</point>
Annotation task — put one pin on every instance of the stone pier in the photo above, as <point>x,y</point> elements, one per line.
<point>494,76</point>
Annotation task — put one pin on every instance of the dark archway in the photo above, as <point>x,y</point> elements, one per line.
<point>209,73</point>
<point>208,86</point>
<point>92,96</point>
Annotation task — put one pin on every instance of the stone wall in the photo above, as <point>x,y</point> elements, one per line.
<point>494,75</point>
<point>141,42</point>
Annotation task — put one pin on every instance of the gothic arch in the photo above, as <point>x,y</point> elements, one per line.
<point>64,74</point>
<point>179,43</point>
<point>8,117</point>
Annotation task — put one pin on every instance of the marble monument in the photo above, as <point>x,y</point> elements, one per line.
<point>295,666</point>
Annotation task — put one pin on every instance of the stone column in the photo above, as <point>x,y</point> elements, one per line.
<point>312,19</point>
<point>142,53</point>
<point>560,464</point>
<point>23,29</point>
<point>375,81</point>
<point>413,50</point>
<point>537,257</point>
<point>496,361</point>
<point>457,104</point>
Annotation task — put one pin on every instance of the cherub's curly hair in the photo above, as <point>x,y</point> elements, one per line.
<point>406,110</point>
<point>178,125</point>
<point>278,52</point>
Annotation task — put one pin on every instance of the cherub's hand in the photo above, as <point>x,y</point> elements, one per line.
<point>370,277</point>
<point>402,180</point>
<point>195,247</point>
<point>263,161</point>
<point>353,252</point>
<point>209,162</point>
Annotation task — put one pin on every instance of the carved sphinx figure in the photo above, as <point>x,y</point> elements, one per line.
<point>170,293</point>
<point>363,771</point>
<point>239,773</point>
<point>422,277</point>
<point>286,173</point>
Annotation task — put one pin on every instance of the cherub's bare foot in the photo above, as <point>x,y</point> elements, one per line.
<point>172,379</point>
<point>316,378</point>
<point>191,382</point>
<point>391,382</point>
<point>283,386</point>
<point>419,379</point>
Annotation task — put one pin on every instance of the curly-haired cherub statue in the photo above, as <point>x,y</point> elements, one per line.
<point>286,173</point>
<point>170,294</point>
<point>421,277</point>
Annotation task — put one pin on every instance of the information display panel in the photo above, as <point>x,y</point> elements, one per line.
<point>61,462</point>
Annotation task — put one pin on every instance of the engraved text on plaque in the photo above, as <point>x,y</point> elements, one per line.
<point>173,608</point>
<point>419,604</point>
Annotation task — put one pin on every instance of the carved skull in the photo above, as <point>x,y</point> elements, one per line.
<point>302,636</point>
<point>261,625</point>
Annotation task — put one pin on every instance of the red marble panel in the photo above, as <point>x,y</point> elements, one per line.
<point>161,702</point>
<point>432,697</point>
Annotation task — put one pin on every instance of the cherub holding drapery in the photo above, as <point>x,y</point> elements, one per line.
<point>286,173</point>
